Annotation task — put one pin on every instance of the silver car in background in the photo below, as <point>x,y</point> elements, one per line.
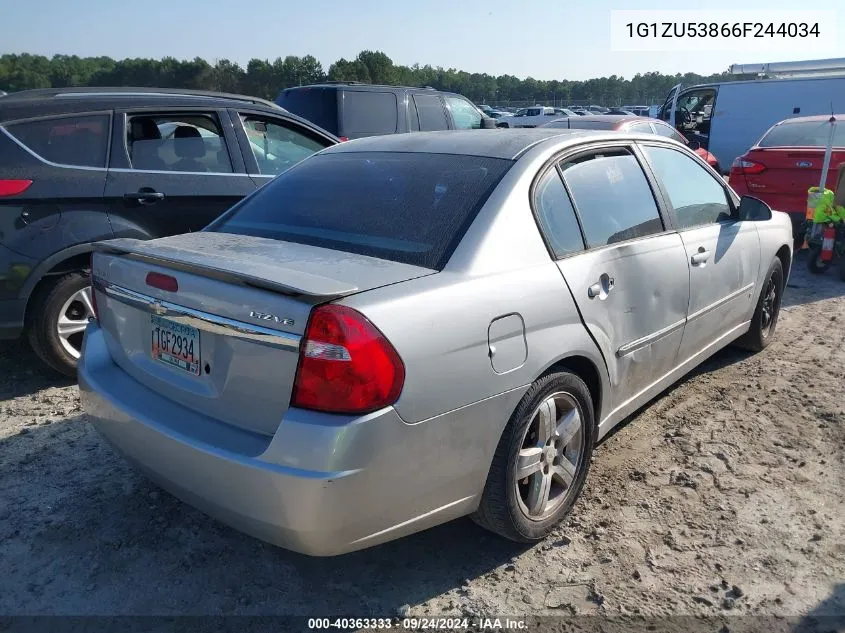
<point>406,329</point>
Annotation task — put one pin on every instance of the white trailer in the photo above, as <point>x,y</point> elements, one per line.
<point>729,117</point>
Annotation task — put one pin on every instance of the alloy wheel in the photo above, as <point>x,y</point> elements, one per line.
<point>549,457</point>
<point>73,319</point>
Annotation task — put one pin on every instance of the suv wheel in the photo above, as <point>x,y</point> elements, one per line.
<point>59,314</point>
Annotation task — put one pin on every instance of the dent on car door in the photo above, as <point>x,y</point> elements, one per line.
<point>172,171</point>
<point>630,283</point>
<point>271,145</point>
<point>723,253</point>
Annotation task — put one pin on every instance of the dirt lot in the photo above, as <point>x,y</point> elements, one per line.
<point>724,496</point>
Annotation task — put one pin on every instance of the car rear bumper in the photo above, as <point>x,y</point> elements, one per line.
<point>322,485</point>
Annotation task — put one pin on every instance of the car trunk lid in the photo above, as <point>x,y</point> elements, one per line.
<point>788,173</point>
<point>224,339</point>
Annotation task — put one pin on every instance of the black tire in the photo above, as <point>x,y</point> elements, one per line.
<point>502,125</point>
<point>814,261</point>
<point>43,316</point>
<point>501,509</point>
<point>765,319</point>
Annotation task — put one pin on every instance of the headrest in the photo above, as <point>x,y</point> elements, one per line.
<point>188,143</point>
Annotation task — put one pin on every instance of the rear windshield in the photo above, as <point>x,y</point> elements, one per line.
<point>318,105</point>
<point>579,124</point>
<point>412,208</point>
<point>803,134</point>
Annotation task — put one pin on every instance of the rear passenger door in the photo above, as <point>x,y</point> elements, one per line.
<point>723,252</point>
<point>431,112</point>
<point>173,171</point>
<point>271,145</point>
<point>631,283</point>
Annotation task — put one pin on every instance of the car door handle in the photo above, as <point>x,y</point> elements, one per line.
<point>700,257</point>
<point>144,196</point>
<point>602,287</point>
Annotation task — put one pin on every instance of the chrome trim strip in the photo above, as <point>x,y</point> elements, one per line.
<point>720,302</point>
<point>171,172</point>
<point>197,318</point>
<point>633,346</point>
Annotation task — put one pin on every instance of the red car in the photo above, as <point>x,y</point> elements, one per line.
<point>641,124</point>
<point>787,161</point>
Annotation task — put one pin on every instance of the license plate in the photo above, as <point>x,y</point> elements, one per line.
<point>175,344</point>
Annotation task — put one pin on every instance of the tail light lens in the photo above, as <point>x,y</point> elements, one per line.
<point>343,139</point>
<point>346,365</point>
<point>13,187</point>
<point>162,282</point>
<point>747,167</point>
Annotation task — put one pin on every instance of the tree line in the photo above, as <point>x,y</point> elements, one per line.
<point>265,78</point>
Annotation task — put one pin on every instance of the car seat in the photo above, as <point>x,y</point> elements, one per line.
<point>145,144</point>
<point>188,146</point>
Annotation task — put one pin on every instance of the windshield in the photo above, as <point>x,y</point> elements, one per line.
<point>803,134</point>
<point>412,208</point>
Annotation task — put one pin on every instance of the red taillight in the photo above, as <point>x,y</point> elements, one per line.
<point>13,187</point>
<point>162,282</point>
<point>343,139</point>
<point>346,365</point>
<point>747,167</point>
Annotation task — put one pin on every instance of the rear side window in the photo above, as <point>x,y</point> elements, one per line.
<point>431,113</point>
<point>613,198</point>
<point>803,134</point>
<point>557,216</point>
<point>669,132</point>
<point>80,140</point>
<point>177,142</point>
<point>412,208</point>
<point>580,124</point>
<point>369,113</point>
<point>318,105</point>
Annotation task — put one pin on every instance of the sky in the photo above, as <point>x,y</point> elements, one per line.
<point>557,39</point>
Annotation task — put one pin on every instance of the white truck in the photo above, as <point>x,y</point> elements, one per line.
<point>729,117</point>
<point>535,116</point>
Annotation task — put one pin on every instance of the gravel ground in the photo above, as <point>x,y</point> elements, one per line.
<point>724,496</point>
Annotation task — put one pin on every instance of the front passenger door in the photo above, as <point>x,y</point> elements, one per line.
<point>723,253</point>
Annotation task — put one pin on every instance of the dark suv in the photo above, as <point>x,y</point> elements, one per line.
<point>82,165</point>
<point>354,110</point>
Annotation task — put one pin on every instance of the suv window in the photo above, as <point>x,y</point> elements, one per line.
<point>78,140</point>
<point>276,146</point>
<point>177,142</point>
<point>612,196</point>
<point>695,194</point>
<point>464,114</point>
<point>431,113</point>
<point>557,216</point>
<point>534,112</point>
<point>404,206</point>
<point>318,105</point>
<point>368,113</point>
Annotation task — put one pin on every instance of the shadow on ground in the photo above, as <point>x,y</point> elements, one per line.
<point>92,536</point>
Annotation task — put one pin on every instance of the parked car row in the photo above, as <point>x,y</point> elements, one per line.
<point>333,338</point>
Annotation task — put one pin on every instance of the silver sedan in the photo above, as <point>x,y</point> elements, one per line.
<point>406,329</point>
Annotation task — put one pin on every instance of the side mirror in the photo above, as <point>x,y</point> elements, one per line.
<point>488,123</point>
<point>754,210</point>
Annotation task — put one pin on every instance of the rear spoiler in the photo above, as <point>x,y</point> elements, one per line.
<point>219,265</point>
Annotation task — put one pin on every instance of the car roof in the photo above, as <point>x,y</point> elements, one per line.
<point>69,100</point>
<point>499,143</point>
<point>818,118</point>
